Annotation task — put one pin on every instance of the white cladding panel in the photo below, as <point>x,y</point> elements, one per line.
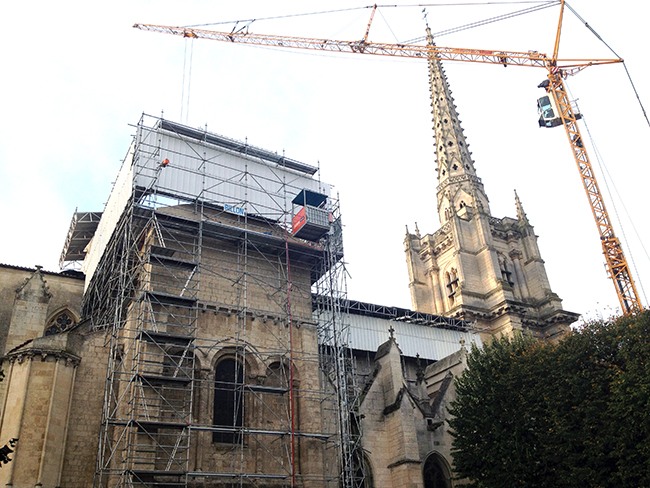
<point>219,176</point>
<point>199,170</point>
<point>368,333</point>
<point>120,195</point>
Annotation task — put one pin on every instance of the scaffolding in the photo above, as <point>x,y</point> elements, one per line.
<point>222,369</point>
<point>331,310</point>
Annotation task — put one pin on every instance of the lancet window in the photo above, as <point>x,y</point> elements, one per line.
<point>228,401</point>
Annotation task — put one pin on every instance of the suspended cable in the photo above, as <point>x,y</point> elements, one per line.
<point>352,22</point>
<point>486,21</point>
<point>189,82</point>
<point>281,16</point>
<point>387,25</point>
<point>645,114</point>
<point>184,71</point>
<point>187,69</point>
<point>357,8</point>
<point>465,4</point>
<point>608,177</point>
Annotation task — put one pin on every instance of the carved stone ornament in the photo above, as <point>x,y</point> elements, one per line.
<point>43,355</point>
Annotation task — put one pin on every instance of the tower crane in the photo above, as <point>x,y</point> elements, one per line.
<point>555,108</point>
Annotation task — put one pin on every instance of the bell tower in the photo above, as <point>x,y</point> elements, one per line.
<point>477,267</point>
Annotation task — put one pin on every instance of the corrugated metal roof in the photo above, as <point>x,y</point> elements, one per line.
<point>368,333</point>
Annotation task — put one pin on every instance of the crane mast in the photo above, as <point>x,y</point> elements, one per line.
<point>617,267</point>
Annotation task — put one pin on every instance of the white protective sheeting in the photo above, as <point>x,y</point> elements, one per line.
<point>120,194</point>
<point>176,164</point>
<point>368,333</point>
<point>197,169</point>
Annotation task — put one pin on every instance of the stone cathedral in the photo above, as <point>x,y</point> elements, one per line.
<point>194,349</point>
<point>477,267</point>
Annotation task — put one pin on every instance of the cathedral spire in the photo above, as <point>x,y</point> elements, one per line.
<point>458,185</point>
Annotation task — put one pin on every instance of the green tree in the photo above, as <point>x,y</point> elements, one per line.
<point>630,401</point>
<point>572,414</point>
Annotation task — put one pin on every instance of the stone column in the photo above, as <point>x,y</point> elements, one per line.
<point>519,273</point>
<point>38,408</point>
<point>203,438</point>
<point>438,301</point>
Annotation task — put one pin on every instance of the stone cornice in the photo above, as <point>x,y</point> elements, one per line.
<point>459,179</point>
<point>76,275</point>
<point>529,314</point>
<point>42,354</point>
<point>534,259</point>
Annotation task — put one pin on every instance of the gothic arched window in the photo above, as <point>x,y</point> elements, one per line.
<point>228,399</point>
<point>61,322</point>
<point>435,473</point>
<point>363,470</point>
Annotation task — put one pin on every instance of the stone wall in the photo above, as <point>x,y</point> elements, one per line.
<point>38,394</point>
<point>85,412</point>
<point>66,290</point>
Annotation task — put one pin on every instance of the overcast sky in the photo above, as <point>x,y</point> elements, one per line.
<point>76,75</point>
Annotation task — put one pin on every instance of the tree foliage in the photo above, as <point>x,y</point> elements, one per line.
<point>571,414</point>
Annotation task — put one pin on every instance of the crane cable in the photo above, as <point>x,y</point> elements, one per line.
<point>605,171</point>
<point>486,21</point>
<point>185,101</point>
<point>250,21</point>
<point>608,177</point>
<point>645,114</point>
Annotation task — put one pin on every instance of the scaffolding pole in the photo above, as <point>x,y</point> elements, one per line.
<point>229,360</point>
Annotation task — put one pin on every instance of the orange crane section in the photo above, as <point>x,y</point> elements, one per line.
<point>364,47</point>
<point>617,267</point>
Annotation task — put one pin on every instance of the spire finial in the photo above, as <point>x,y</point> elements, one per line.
<point>417,231</point>
<point>391,331</point>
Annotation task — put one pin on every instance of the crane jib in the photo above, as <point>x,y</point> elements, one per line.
<point>557,99</point>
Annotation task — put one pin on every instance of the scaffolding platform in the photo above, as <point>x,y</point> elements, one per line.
<point>205,294</point>
<point>82,229</point>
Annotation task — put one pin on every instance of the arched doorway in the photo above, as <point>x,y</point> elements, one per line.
<point>436,472</point>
